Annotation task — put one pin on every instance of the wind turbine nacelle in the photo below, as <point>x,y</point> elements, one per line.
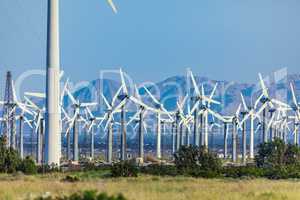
<point>264,100</point>
<point>294,107</point>
<point>244,113</point>
<point>203,107</point>
<point>121,97</point>
<point>272,110</point>
<point>157,106</point>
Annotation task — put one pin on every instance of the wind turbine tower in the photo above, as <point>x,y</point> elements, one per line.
<point>52,134</point>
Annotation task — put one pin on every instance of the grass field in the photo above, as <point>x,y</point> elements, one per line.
<point>150,187</point>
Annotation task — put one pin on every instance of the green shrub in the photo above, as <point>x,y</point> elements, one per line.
<point>277,153</point>
<point>124,169</point>
<point>160,170</point>
<point>48,169</point>
<point>243,171</point>
<point>9,158</point>
<point>71,179</point>
<point>283,172</point>
<point>28,166</point>
<point>86,195</point>
<point>197,161</point>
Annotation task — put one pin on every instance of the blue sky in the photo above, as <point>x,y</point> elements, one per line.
<point>152,40</point>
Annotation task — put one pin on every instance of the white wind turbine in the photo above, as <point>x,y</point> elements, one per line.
<point>235,121</point>
<point>204,112</point>
<point>92,120</point>
<point>160,110</point>
<point>139,118</point>
<point>39,122</point>
<point>77,107</point>
<point>203,102</point>
<point>52,145</point>
<point>249,113</point>
<point>266,101</point>
<point>111,110</point>
<point>22,120</point>
<point>296,109</point>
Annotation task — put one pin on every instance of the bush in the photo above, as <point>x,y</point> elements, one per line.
<point>197,161</point>
<point>283,172</point>
<point>47,169</point>
<point>9,158</point>
<point>243,171</point>
<point>28,166</point>
<point>86,195</point>
<point>276,153</point>
<point>160,170</point>
<point>124,169</point>
<point>71,179</point>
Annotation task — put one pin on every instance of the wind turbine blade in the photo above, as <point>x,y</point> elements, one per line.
<point>262,108</point>
<point>202,94</point>
<point>108,121</point>
<point>216,115</point>
<point>262,83</point>
<point>135,116</point>
<point>270,122</point>
<point>71,97</point>
<point>36,94</point>
<point>63,91</point>
<point>113,6</point>
<point>275,101</point>
<point>244,102</point>
<point>257,128</point>
<point>245,118</point>
<point>258,100</point>
<point>293,95</point>
<point>116,96</point>
<point>89,112</point>
<point>14,92</point>
<point>213,91</point>
<point>105,101</point>
<point>27,122</point>
<point>137,93</point>
<point>88,104</point>
<point>151,96</point>
<point>102,120</point>
<point>31,103</point>
<point>196,105</point>
<point>38,122</point>
<point>123,82</point>
<point>194,83</point>
<point>237,113</point>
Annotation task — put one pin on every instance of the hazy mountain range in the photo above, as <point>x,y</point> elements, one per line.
<point>169,90</point>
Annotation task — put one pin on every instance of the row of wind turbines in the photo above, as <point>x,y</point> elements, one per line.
<point>189,124</point>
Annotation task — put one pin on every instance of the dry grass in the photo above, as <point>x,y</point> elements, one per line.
<point>153,188</point>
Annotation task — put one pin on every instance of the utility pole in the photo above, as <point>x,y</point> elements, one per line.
<point>9,123</point>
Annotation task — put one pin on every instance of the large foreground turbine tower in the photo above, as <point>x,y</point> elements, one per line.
<point>52,115</point>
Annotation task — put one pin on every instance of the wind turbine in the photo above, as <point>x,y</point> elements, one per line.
<point>160,110</point>
<point>77,106</point>
<point>249,113</point>
<point>39,128</point>
<point>266,101</point>
<point>22,118</point>
<point>204,103</point>
<point>139,118</point>
<point>53,135</point>
<point>296,109</point>
<point>235,126</point>
<point>111,110</point>
<point>90,129</point>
